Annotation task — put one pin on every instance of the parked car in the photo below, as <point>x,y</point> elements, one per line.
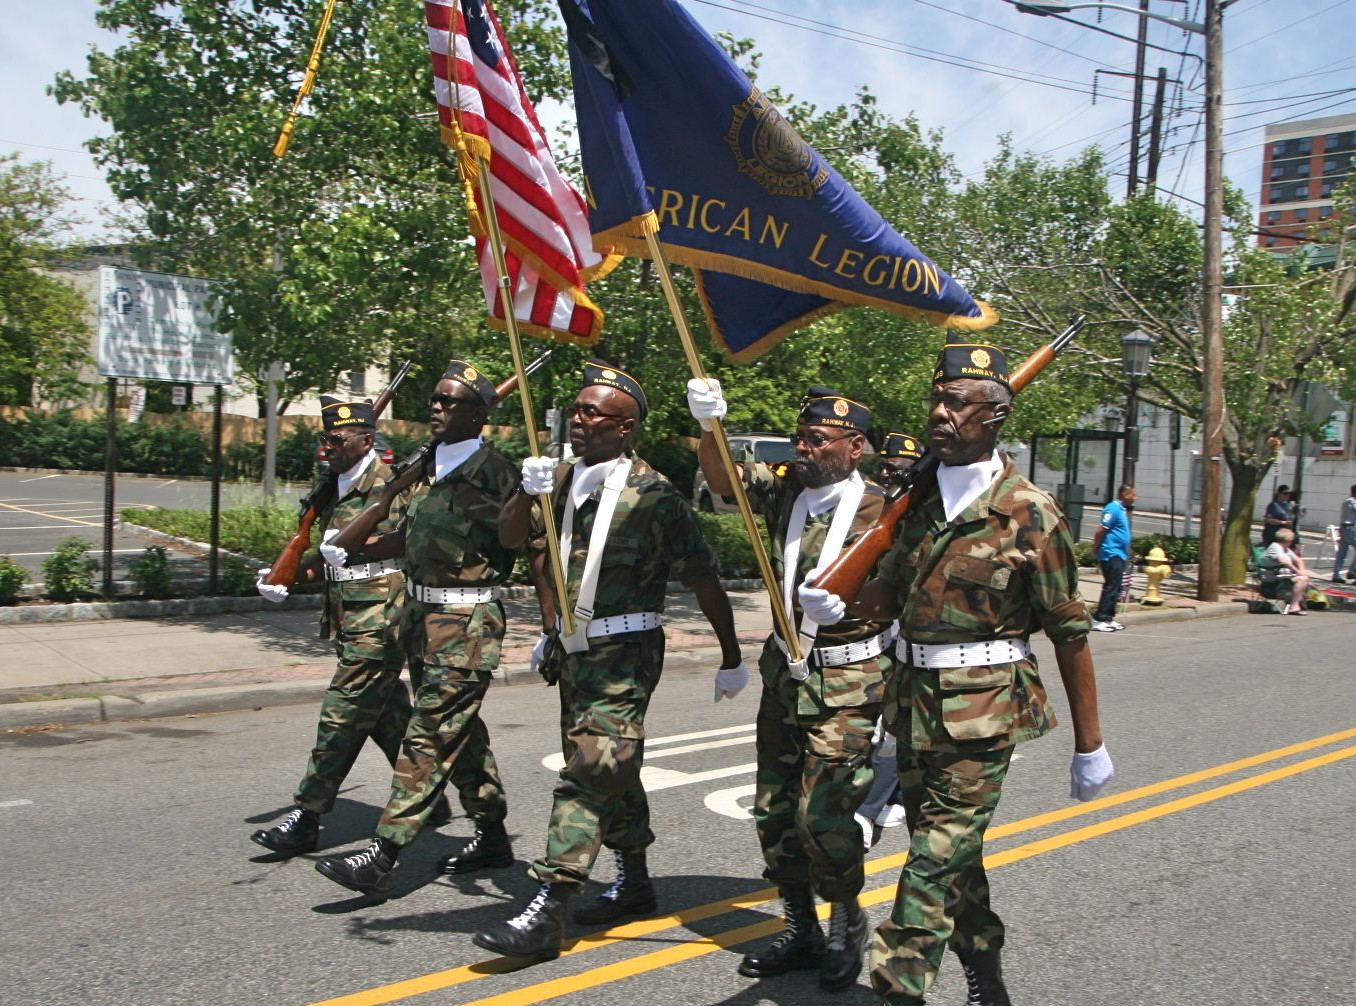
<point>770,448</point>
<point>380,444</point>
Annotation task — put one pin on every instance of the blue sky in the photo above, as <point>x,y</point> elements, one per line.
<point>1025,75</point>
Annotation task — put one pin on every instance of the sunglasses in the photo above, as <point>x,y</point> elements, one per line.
<point>446,401</point>
<point>589,413</point>
<point>336,440</point>
<point>814,439</point>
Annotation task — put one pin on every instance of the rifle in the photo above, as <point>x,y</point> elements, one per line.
<point>284,572</point>
<point>408,471</point>
<point>846,574</point>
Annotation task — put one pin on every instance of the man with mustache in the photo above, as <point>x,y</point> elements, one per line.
<point>982,559</point>
<point>816,715</point>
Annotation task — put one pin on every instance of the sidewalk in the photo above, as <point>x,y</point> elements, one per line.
<point>93,671</point>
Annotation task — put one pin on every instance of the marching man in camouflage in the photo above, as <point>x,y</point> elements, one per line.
<point>817,715</point>
<point>366,697</point>
<point>625,531</point>
<point>452,627</point>
<point>982,560</point>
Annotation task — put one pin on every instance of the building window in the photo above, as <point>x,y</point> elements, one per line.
<point>1273,217</point>
<point>1306,145</point>
<point>1326,190</point>
<point>1301,215</point>
<point>1278,149</point>
<point>1330,141</point>
<point>357,382</point>
<point>1271,240</point>
<point>1277,194</point>
<point>1278,171</point>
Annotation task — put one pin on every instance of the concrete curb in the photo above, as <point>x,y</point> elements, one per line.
<point>101,611</point>
<point>267,695</point>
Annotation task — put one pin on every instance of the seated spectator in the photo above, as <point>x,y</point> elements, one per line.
<point>1282,564</point>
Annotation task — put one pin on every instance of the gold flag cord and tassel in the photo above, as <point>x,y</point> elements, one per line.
<point>307,82</point>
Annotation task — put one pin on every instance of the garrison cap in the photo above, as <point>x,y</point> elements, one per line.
<point>901,445</point>
<point>598,372</point>
<point>985,363</point>
<point>463,373</point>
<point>336,413</point>
<point>823,406</point>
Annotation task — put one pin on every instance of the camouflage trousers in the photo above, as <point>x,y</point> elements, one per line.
<point>366,698</point>
<point>943,893</point>
<point>813,774</point>
<point>451,656</point>
<point>599,799</point>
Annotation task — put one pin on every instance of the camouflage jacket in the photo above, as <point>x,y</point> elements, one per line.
<point>452,526</point>
<point>654,538</point>
<point>1002,569</point>
<point>344,599</point>
<point>772,493</point>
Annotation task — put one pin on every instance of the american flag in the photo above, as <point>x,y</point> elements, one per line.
<point>541,215</point>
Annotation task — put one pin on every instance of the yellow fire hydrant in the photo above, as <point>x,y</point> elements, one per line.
<point>1156,570</point>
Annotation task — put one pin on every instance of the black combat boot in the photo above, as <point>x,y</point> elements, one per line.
<point>367,872</point>
<point>800,945</point>
<point>489,850</point>
<point>536,934</point>
<point>442,812</point>
<point>298,832</point>
<point>843,955</point>
<point>630,894</point>
<point>984,976</point>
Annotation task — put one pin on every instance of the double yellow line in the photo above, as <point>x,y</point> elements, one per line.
<point>699,947</point>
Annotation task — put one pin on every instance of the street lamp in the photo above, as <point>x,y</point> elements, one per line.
<point>1212,334</point>
<point>1137,351</point>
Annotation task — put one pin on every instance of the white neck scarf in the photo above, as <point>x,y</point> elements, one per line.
<point>346,479</point>
<point>961,485</point>
<point>846,496</point>
<point>447,458</point>
<point>588,478</point>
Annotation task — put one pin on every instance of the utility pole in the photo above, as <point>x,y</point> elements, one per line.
<point>1156,130</point>
<point>1212,334</point>
<point>1143,37</point>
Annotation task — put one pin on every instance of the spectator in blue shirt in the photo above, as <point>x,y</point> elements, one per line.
<point>1112,542</point>
<point>1277,515</point>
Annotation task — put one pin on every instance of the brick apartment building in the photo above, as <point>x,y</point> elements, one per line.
<point>1304,162</point>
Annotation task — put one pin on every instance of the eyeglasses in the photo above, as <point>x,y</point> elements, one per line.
<point>335,440</point>
<point>814,440</point>
<point>589,413</point>
<point>954,403</point>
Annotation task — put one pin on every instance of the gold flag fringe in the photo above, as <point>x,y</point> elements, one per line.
<point>307,82</point>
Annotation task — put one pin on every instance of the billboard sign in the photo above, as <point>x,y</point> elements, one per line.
<point>158,327</point>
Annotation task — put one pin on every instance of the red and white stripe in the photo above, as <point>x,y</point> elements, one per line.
<point>541,216</point>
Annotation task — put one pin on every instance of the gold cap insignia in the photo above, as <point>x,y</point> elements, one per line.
<point>609,375</point>
<point>980,358</point>
<point>470,374</point>
<point>840,408</point>
<point>909,445</point>
<point>345,412</point>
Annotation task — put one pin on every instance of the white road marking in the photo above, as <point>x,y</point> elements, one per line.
<point>40,478</point>
<point>675,738</point>
<point>93,551</point>
<point>15,803</point>
<point>727,802</point>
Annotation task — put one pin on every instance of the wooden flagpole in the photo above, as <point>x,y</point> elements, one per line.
<point>524,392</point>
<point>781,618</point>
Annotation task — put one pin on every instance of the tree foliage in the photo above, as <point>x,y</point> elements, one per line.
<point>43,333</point>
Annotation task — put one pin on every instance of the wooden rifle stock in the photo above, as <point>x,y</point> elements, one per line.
<point>285,567</point>
<point>854,565</point>
<point>407,472</point>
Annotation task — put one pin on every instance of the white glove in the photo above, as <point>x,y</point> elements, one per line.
<point>1088,773</point>
<point>823,607</point>
<point>705,401</point>
<point>333,554</point>
<point>538,652</point>
<point>266,590</point>
<point>730,681</point>
<point>539,475</point>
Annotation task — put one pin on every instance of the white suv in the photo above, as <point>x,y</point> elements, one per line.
<point>769,448</point>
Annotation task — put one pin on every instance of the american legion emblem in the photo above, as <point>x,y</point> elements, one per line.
<point>470,374</point>
<point>344,412</point>
<point>981,358</point>
<point>840,408</point>
<point>767,148</point>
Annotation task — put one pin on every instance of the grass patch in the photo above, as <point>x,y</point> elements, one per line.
<point>257,531</point>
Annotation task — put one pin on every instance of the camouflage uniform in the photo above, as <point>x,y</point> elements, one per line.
<point>452,540</point>
<point>814,736</point>
<point>605,690</point>
<point>366,697</point>
<point>1002,569</point>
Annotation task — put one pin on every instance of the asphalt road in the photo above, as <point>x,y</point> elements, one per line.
<point>37,511</point>
<point>1217,869</point>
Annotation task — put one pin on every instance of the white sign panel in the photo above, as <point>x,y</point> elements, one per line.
<point>178,395</point>
<point>157,327</point>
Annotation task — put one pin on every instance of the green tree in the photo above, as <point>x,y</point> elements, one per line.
<point>43,334</point>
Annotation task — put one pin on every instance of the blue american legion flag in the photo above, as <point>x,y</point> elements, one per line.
<point>677,140</point>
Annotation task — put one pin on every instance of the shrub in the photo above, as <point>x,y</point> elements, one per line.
<point>68,572</point>
<point>403,445</point>
<point>724,532</point>
<point>675,460</point>
<point>296,454</point>
<point>1180,551</point>
<point>1084,554</point>
<point>513,446</point>
<point>243,461</point>
<point>171,449</point>
<point>236,577</point>
<point>12,577</point>
<point>151,573</point>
